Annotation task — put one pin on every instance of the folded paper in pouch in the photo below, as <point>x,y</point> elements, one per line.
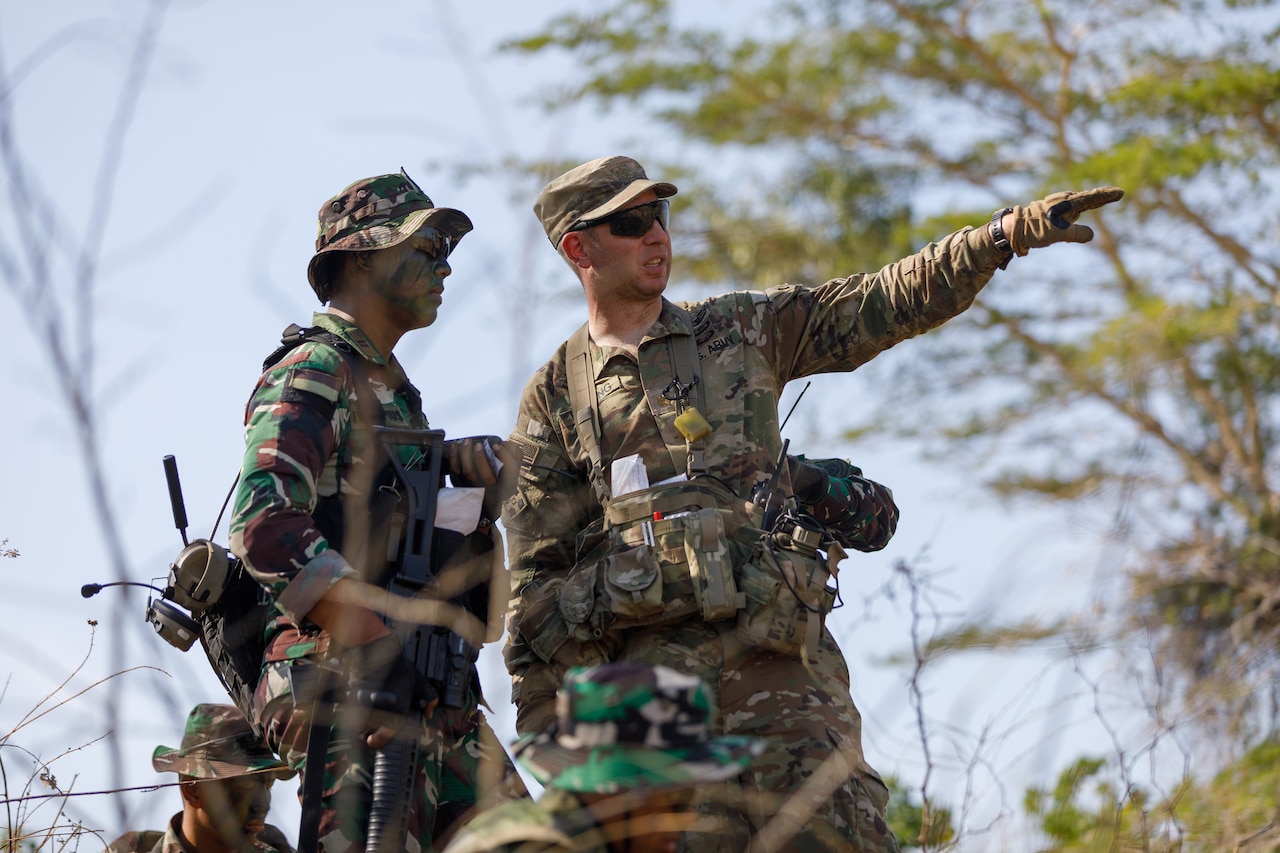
<point>627,474</point>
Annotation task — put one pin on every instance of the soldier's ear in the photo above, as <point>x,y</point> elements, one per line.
<point>190,790</point>
<point>574,248</point>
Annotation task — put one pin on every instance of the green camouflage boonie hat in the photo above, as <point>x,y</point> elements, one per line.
<point>375,213</point>
<point>592,191</point>
<point>218,743</point>
<point>622,725</point>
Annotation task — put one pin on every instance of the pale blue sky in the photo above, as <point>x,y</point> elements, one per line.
<point>252,114</point>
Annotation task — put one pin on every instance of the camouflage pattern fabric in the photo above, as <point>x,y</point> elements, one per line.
<point>622,726</point>
<point>270,840</point>
<point>636,737</point>
<point>614,182</point>
<point>751,344</point>
<point>557,823</point>
<point>218,743</point>
<point>462,768</point>
<point>374,213</point>
<point>308,437</point>
<point>860,513</point>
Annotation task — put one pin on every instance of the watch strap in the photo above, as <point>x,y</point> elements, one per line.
<point>998,237</point>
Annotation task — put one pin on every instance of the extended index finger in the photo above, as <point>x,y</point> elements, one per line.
<point>1067,211</point>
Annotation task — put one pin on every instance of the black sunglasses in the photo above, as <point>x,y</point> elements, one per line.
<point>433,242</point>
<point>634,221</point>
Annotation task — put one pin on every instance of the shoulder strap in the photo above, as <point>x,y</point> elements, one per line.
<point>370,410</point>
<point>295,336</point>
<point>685,363</point>
<point>586,407</point>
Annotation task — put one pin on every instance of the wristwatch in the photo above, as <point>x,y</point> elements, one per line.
<point>998,237</point>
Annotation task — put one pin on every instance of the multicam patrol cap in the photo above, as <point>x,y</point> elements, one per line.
<point>218,743</point>
<point>621,726</point>
<point>593,191</point>
<point>375,213</point>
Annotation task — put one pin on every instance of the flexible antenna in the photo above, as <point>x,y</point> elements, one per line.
<point>793,405</point>
<point>218,521</point>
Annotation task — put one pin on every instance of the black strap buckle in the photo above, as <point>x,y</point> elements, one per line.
<point>677,391</point>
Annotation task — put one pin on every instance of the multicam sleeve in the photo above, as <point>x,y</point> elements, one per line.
<point>550,502</point>
<point>292,427</point>
<point>846,322</point>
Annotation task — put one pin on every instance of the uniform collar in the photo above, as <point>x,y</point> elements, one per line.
<point>671,322</point>
<point>173,836</point>
<point>345,328</point>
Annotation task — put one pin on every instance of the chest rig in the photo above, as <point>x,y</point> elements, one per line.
<point>677,549</point>
<point>662,553</point>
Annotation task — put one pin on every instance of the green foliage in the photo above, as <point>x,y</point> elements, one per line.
<point>1089,811</point>
<point>1136,377</point>
<point>908,819</point>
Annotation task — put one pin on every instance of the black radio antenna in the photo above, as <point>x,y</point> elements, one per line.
<point>175,497</point>
<point>793,405</point>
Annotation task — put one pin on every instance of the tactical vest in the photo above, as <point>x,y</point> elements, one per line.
<point>666,553</point>
<point>233,629</point>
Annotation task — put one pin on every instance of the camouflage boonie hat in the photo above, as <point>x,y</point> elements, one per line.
<point>375,213</point>
<point>593,191</point>
<point>218,743</point>
<point>622,725</point>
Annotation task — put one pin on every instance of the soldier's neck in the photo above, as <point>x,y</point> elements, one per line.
<point>622,324</point>
<point>381,331</point>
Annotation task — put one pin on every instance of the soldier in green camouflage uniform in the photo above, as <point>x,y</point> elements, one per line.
<point>594,580</point>
<point>308,473</point>
<point>621,764</point>
<point>226,773</point>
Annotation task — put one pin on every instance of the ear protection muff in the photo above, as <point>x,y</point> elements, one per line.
<point>175,627</point>
<point>198,575</point>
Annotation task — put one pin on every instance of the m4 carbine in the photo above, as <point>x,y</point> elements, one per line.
<point>436,653</point>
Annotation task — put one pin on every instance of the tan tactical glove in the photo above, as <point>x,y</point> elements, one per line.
<point>1051,220</point>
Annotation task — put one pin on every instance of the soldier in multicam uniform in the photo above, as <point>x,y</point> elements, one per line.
<point>691,572</point>
<point>306,482</point>
<point>225,773</point>
<point>621,763</point>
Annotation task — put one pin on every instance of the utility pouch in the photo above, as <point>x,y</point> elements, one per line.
<point>667,554</point>
<point>540,621</point>
<point>706,547</point>
<point>584,619</point>
<point>632,581</point>
<point>623,587</point>
<point>788,596</point>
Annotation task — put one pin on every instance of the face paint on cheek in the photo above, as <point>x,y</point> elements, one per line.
<point>413,284</point>
<point>412,270</point>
